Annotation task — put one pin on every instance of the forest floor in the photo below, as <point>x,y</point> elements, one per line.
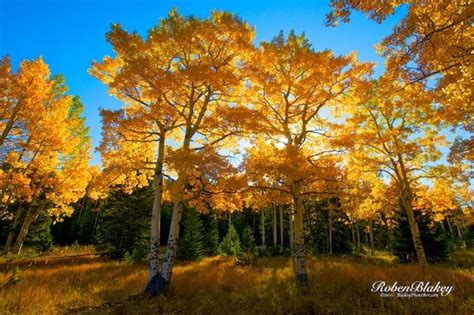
<point>217,285</point>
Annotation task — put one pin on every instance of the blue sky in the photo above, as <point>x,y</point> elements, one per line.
<point>71,34</point>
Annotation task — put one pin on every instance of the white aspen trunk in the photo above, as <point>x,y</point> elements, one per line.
<point>29,218</point>
<point>275,235</point>
<point>461,237</point>
<point>449,226</point>
<point>156,213</point>
<point>159,284</point>
<point>371,235</point>
<point>415,232</point>
<point>263,229</point>
<point>299,248</point>
<point>230,219</point>
<point>11,233</point>
<point>281,229</point>
<point>407,199</point>
<point>292,234</point>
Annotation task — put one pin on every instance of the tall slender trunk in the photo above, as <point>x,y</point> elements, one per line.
<point>449,226</point>
<point>156,212</point>
<point>330,230</point>
<point>159,284</point>
<point>352,232</point>
<point>30,217</point>
<point>407,200</point>
<point>299,248</point>
<point>263,229</point>
<point>281,229</point>
<point>292,234</point>
<point>460,235</point>
<point>371,237</point>
<point>13,228</point>
<point>275,235</point>
<point>358,237</point>
<point>230,219</point>
<point>415,232</point>
<point>441,223</point>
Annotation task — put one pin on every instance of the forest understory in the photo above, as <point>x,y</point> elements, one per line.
<point>220,285</point>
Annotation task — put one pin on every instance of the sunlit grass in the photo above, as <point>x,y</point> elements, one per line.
<point>217,285</point>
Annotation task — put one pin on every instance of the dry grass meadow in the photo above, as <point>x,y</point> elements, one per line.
<point>338,285</point>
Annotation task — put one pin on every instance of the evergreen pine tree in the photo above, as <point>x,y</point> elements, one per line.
<point>248,241</point>
<point>211,238</point>
<point>123,225</point>
<point>191,245</point>
<point>434,242</point>
<point>230,245</point>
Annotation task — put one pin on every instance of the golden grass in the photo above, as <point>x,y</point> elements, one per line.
<point>219,286</point>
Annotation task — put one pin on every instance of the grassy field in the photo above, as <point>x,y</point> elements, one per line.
<point>338,285</point>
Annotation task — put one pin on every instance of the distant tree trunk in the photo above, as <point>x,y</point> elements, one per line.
<point>299,248</point>
<point>230,219</point>
<point>358,237</point>
<point>461,236</point>
<point>441,223</point>
<point>275,232</point>
<point>449,226</point>
<point>11,233</point>
<point>352,232</point>
<point>292,234</point>
<point>371,234</point>
<point>330,231</point>
<point>263,229</point>
<point>156,213</point>
<point>159,284</point>
<point>281,229</point>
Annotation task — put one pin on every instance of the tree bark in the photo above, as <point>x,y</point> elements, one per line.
<point>11,233</point>
<point>29,218</point>
<point>159,284</point>
<point>460,235</point>
<point>281,229</point>
<point>415,232</point>
<point>407,199</point>
<point>275,234</point>
<point>292,234</point>
<point>449,226</point>
<point>299,248</point>
<point>156,212</point>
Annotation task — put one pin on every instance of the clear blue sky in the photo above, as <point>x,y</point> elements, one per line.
<point>71,34</point>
